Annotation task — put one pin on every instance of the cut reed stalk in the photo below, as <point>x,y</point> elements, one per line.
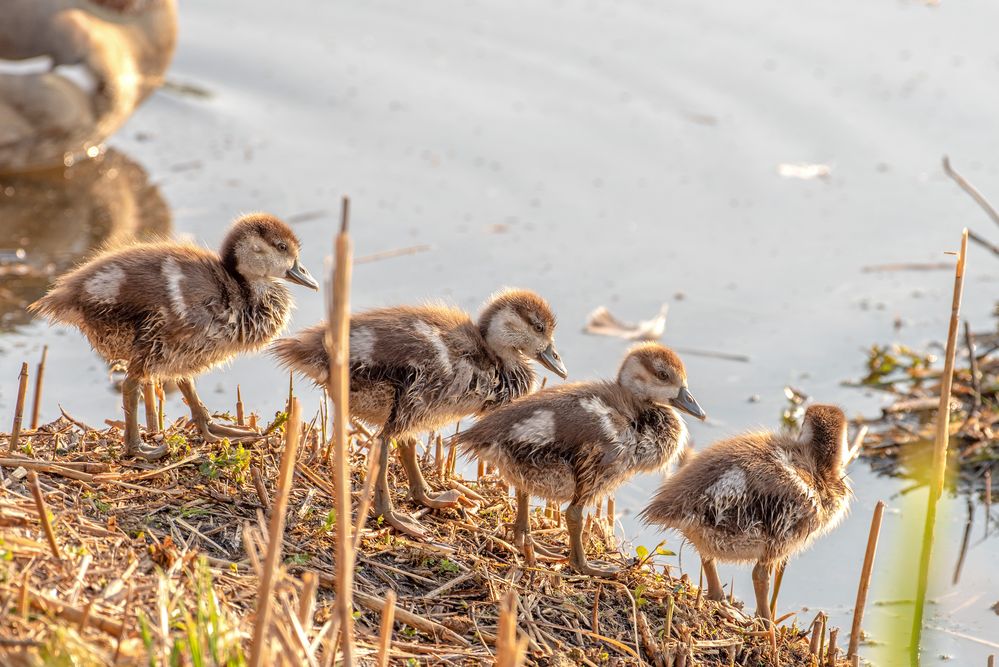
<point>160,413</point>
<point>43,515</point>
<point>239,407</point>
<point>965,542</point>
<point>865,578</point>
<point>385,630</point>
<point>439,455</point>
<point>818,626</point>
<point>988,500</point>
<point>976,377</point>
<point>510,651</point>
<point>149,401</point>
<point>22,388</point>
<point>832,652</point>
<point>324,406</point>
<point>595,616</point>
<point>258,486</point>
<point>265,592</point>
<point>36,403</point>
<point>338,344</point>
<point>307,599</point>
<point>940,450</point>
<point>822,638</point>
<point>452,460</point>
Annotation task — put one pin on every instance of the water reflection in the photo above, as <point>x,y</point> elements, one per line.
<point>74,72</point>
<point>53,219</point>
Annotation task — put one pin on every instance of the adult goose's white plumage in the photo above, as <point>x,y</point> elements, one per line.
<point>420,368</point>
<point>578,442</point>
<point>759,497</point>
<point>173,310</point>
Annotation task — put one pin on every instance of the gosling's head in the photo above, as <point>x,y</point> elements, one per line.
<point>823,433</point>
<point>655,373</point>
<point>519,322</point>
<point>261,247</point>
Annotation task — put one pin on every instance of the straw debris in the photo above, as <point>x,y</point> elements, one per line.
<point>163,565</point>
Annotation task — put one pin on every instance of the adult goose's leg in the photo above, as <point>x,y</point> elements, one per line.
<point>134,446</point>
<point>577,555</point>
<point>419,490</point>
<point>761,584</point>
<point>382,503</point>
<point>715,591</point>
<point>210,431</point>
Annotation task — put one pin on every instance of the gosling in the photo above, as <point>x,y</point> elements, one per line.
<point>578,442</point>
<point>172,311</point>
<point>420,368</point>
<point>759,497</point>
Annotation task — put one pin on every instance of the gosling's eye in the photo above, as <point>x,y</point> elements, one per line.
<point>282,246</point>
<point>664,377</point>
<point>539,327</point>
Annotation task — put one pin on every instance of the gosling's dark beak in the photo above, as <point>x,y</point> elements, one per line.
<point>549,358</point>
<point>299,275</point>
<point>686,402</point>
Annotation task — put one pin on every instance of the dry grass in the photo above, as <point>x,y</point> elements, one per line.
<point>160,565</point>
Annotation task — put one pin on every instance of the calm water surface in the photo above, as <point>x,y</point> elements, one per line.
<point>622,154</point>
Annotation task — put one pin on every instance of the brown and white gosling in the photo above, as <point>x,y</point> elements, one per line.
<point>420,368</point>
<point>580,441</point>
<point>173,310</point>
<point>759,497</point>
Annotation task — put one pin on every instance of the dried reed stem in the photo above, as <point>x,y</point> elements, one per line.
<point>510,651</point>
<point>832,651</point>
<point>149,401</point>
<point>595,616</point>
<point>865,578</point>
<point>265,593</point>
<point>338,345</point>
<point>452,460</point>
<point>818,628</point>
<point>940,450</point>
<point>22,388</point>
<point>307,599</point>
<point>976,377</point>
<point>43,515</point>
<point>36,403</point>
<point>439,455</point>
<point>971,190</point>
<point>160,414</point>
<point>988,499</point>
<point>258,486</point>
<point>385,631</point>
<point>239,407</point>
